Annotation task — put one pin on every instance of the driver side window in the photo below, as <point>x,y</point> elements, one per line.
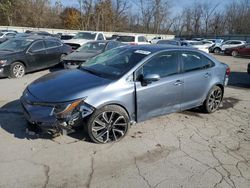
<point>164,64</point>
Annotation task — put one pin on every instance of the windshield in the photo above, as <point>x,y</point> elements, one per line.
<point>15,44</point>
<point>92,46</point>
<point>126,39</point>
<point>115,63</point>
<point>85,35</point>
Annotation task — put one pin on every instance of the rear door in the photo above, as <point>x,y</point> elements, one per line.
<point>197,75</point>
<point>36,55</point>
<point>163,96</point>
<point>53,52</point>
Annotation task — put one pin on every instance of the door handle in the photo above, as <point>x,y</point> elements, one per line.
<point>178,83</point>
<point>207,75</point>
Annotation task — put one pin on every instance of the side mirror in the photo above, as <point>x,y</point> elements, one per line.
<point>149,78</point>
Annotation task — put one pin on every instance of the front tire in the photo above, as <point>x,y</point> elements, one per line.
<point>108,124</point>
<point>213,100</point>
<point>217,50</point>
<point>17,70</point>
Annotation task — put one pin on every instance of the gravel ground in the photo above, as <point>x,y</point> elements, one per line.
<point>188,149</point>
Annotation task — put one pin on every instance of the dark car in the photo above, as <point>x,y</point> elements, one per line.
<point>243,50</point>
<point>87,51</point>
<point>169,42</point>
<point>25,54</point>
<point>125,85</point>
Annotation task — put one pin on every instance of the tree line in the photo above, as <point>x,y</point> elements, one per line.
<point>147,16</point>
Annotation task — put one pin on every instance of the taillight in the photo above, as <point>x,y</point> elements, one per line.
<point>133,43</point>
<point>228,71</point>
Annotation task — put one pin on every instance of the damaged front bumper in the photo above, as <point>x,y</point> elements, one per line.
<point>42,115</point>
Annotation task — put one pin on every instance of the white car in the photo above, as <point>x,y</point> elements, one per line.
<point>231,44</point>
<point>83,37</point>
<point>201,45</point>
<point>132,39</point>
<point>7,35</point>
<point>155,40</point>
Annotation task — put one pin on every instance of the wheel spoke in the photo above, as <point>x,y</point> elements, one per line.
<point>114,134</point>
<point>104,116</point>
<point>118,119</point>
<point>101,134</point>
<point>119,131</point>
<point>98,128</point>
<point>99,122</point>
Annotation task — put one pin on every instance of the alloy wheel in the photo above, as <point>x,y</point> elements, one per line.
<point>214,99</point>
<point>109,126</point>
<point>18,71</point>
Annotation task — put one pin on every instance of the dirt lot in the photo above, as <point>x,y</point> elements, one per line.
<point>188,149</point>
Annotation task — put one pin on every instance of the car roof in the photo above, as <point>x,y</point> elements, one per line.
<point>38,37</point>
<point>156,48</point>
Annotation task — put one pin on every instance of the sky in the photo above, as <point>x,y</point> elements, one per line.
<point>176,4</point>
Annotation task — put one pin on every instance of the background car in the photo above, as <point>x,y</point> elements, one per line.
<point>169,42</point>
<point>66,37</point>
<point>198,45</point>
<point>243,50</point>
<point>220,47</point>
<point>155,39</point>
<point>25,54</point>
<point>125,85</point>
<point>132,39</point>
<point>4,36</point>
<point>87,51</point>
<point>83,37</point>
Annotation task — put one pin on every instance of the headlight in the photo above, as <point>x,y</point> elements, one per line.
<point>2,62</point>
<point>65,109</point>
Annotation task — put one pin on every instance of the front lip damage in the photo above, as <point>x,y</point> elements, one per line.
<point>43,117</point>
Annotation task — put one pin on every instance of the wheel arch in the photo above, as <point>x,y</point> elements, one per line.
<point>117,104</point>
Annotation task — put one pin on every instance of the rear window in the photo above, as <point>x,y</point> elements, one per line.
<point>126,39</point>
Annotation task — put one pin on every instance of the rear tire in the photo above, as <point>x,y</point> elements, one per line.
<point>108,124</point>
<point>213,100</point>
<point>235,53</point>
<point>17,70</point>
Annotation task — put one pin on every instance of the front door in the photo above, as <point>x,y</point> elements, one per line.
<point>163,96</point>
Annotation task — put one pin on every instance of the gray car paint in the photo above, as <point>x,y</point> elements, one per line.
<point>141,102</point>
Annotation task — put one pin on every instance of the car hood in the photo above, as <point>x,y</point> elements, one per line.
<point>67,85</point>
<point>6,53</point>
<point>80,56</point>
<point>77,41</point>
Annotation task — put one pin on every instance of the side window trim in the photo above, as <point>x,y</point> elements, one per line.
<point>35,43</point>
